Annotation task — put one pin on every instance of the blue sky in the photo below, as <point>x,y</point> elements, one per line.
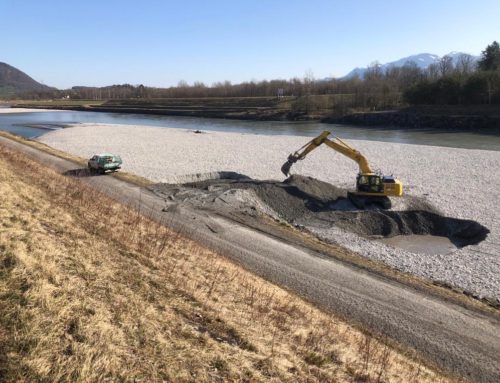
<point>158,43</point>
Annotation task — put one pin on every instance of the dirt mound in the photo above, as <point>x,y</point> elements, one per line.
<point>297,196</point>
<point>318,190</point>
<point>311,203</point>
<point>291,199</point>
<point>388,224</point>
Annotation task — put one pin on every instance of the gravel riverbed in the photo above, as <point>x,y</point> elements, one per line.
<point>459,183</point>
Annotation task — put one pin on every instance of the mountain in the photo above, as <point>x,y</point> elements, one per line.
<point>423,60</point>
<point>14,82</point>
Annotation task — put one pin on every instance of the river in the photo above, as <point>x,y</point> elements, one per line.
<point>22,124</point>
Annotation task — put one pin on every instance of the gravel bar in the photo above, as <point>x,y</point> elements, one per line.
<point>461,183</point>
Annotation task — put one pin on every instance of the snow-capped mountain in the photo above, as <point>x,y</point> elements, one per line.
<point>423,60</point>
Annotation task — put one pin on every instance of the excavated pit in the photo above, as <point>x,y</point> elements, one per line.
<point>311,203</point>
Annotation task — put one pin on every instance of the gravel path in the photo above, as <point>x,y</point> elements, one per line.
<point>461,183</point>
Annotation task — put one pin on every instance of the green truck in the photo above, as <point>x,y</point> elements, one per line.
<point>100,163</point>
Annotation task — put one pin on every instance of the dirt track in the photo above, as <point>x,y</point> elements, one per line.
<point>462,341</point>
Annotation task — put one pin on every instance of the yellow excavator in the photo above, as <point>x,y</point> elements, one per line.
<point>371,187</point>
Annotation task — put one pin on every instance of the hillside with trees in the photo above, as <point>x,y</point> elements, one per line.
<point>460,85</point>
<point>15,83</point>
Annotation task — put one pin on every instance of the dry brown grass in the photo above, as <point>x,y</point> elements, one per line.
<point>92,291</point>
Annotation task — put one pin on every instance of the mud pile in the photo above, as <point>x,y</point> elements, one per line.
<point>311,203</point>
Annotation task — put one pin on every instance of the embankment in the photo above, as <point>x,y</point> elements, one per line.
<point>442,118</point>
<point>239,108</point>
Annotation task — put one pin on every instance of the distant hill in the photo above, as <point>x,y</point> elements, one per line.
<point>423,60</point>
<point>14,82</point>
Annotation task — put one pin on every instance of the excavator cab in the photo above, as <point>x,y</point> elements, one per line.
<point>369,183</point>
<point>376,183</point>
<point>375,189</point>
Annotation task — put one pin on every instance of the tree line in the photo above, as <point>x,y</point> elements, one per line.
<point>449,81</point>
<point>462,80</point>
<point>455,86</point>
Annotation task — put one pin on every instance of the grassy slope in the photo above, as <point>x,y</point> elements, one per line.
<point>93,291</point>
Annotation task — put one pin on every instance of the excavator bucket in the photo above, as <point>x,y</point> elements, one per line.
<point>285,169</point>
<point>292,158</point>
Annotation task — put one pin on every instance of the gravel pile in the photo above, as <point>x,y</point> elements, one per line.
<point>457,183</point>
<point>314,204</point>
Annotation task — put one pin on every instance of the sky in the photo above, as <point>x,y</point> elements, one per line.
<point>159,43</point>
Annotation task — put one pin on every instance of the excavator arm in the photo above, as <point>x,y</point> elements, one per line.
<point>336,144</point>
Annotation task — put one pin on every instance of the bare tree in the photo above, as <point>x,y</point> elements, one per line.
<point>445,65</point>
<point>374,71</point>
<point>308,85</point>
<point>433,71</point>
<point>465,64</point>
<point>409,74</point>
<point>308,81</point>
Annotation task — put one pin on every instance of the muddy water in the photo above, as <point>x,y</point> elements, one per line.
<point>426,244</point>
<point>25,124</point>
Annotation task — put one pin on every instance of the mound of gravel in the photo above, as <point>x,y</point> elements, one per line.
<point>461,232</point>
<point>314,204</point>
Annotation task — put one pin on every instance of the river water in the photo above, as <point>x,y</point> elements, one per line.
<point>35,124</point>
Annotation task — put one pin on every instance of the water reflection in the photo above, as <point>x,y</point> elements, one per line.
<point>25,124</point>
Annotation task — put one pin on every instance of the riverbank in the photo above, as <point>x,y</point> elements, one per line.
<point>327,109</point>
<point>237,108</point>
<point>429,173</point>
<point>27,123</point>
<point>27,110</point>
<point>428,117</point>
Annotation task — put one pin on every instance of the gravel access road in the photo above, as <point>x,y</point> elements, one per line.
<point>464,342</point>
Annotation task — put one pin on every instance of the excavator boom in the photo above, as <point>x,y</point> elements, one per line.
<point>336,144</point>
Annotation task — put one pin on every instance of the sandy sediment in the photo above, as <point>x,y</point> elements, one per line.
<point>460,183</point>
<point>26,110</point>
